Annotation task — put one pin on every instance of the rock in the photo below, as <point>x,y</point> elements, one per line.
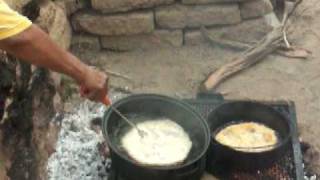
<point>211,1</point>
<point>181,16</point>
<point>111,25</point>
<point>248,31</point>
<point>56,78</point>
<point>44,103</point>
<point>112,6</point>
<point>17,4</point>
<point>5,157</point>
<point>255,8</point>
<point>85,43</point>
<point>45,140</point>
<point>57,102</point>
<point>32,110</point>
<point>74,5</point>
<point>53,19</point>
<point>159,38</point>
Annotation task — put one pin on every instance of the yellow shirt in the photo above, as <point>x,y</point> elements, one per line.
<point>11,22</point>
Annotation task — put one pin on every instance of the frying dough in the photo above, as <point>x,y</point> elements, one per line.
<point>166,143</point>
<point>247,135</point>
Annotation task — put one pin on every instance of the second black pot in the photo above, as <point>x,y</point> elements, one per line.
<point>221,157</point>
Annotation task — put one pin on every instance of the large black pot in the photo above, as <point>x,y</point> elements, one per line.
<point>157,106</point>
<point>221,157</point>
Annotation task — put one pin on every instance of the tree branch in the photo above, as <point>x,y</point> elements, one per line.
<point>263,48</point>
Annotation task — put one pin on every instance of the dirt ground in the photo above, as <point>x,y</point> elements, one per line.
<point>178,72</point>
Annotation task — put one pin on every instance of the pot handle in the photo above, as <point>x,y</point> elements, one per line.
<point>196,167</point>
<point>106,101</point>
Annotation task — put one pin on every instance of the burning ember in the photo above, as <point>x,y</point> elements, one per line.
<point>77,153</point>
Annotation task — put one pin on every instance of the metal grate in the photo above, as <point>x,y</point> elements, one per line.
<point>287,168</point>
<point>284,169</point>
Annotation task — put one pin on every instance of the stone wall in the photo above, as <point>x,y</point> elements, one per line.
<point>27,132</point>
<point>123,25</point>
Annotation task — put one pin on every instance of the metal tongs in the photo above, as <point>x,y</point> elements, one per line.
<point>106,101</point>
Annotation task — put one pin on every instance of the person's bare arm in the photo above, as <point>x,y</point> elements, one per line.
<point>34,46</point>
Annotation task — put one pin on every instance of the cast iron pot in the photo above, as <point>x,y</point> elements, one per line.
<point>155,106</point>
<point>221,157</point>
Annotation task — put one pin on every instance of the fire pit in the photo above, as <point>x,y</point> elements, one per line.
<point>83,161</point>
<point>287,167</point>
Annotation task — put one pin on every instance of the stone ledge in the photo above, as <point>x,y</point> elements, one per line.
<point>159,38</point>
<point>73,6</point>
<point>111,6</point>
<point>248,31</point>
<point>17,4</point>
<point>113,25</point>
<point>255,8</point>
<point>181,16</point>
<point>85,42</point>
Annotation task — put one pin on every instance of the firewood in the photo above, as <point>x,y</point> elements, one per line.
<point>113,73</point>
<point>287,50</point>
<point>294,52</point>
<point>117,74</point>
<point>269,44</point>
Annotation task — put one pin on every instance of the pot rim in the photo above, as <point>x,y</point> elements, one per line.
<point>182,104</point>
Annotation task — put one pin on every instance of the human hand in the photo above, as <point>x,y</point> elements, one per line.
<point>95,85</point>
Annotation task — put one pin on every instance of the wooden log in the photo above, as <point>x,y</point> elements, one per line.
<point>266,46</point>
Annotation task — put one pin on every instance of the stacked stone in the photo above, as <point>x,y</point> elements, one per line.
<point>141,24</point>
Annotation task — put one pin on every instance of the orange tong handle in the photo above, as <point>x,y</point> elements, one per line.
<point>106,101</point>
